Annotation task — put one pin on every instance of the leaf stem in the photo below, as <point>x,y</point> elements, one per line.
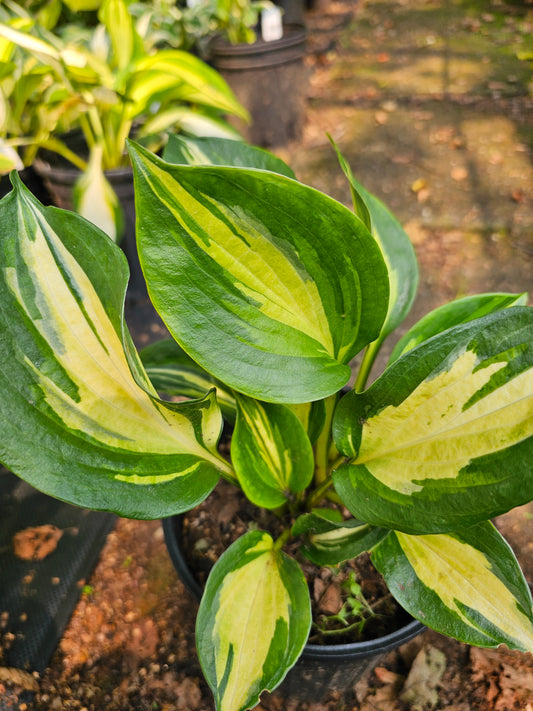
<point>319,493</point>
<point>280,542</point>
<point>369,357</point>
<point>323,442</point>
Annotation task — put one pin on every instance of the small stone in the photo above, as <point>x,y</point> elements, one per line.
<point>331,601</point>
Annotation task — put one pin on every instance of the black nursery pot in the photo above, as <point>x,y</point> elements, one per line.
<point>320,669</point>
<point>270,80</point>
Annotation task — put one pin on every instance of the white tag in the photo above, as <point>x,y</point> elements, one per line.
<point>271,24</point>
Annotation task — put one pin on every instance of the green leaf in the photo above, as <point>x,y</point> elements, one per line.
<point>452,314</point>
<point>266,283</point>
<point>396,246</point>
<point>466,585</point>
<point>330,542</point>
<point>220,151</point>
<point>312,415</point>
<point>444,438</point>
<point>253,621</point>
<point>171,371</point>
<point>359,204</point>
<point>119,24</point>
<point>271,452</point>
<point>192,121</point>
<point>79,419</point>
<point>77,5</point>
<point>32,44</point>
<point>195,81</point>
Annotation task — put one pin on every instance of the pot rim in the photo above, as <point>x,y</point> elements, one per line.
<point>352,650</point>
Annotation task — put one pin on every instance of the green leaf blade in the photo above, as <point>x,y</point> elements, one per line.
<point>184,150</point>
<point>185,77</point>
<point>453,314</point>
<point>268,310</point>
<point>329,543</point>
<point>396,246</point>
<point>271,452</point>
<point>80,419</point>
<point>444,438</point>
<point>172,372</point>
<point>253,621</point>
<point>468,585</point>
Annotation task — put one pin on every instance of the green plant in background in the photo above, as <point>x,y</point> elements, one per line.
<point>181,26</point>
<point>50,13</point>
<point>164,23</point>
<point>269,289</point>
<point>236,19</point>
<point>108,83</point>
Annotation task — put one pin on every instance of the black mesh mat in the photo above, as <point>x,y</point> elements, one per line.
<point>38,597</point>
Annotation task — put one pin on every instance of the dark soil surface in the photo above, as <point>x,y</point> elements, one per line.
<point>432,105</point>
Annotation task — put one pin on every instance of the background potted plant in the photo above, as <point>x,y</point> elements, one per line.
<point>268,77</point>
<point>271,288</point>
<point>85,90</point>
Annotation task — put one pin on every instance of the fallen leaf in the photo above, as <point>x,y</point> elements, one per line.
<point>36,542</point>
<point>423,115</point>
<point>443,134</point>
<point>459,173</point>
<point>423,194</point>
<point>420,688</point>
<point>381,117</point>
<point>402,158</point>
<point>17,677</point>
<point>386,676</point>
<point>389,106</point>
<point>419,184</point>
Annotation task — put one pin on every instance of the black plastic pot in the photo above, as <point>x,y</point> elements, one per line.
<point>320,669</point>
<point>60,180</point>
<point>293,11</point>
<point>270,80</point>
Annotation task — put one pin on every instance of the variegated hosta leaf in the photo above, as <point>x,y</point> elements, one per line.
<point>452,314</point>
<point>120,27</point>
<point>253,621</point>
<point>466,585</point>
<point>397,249</point>
<point>271,452</point>
<point>171,371</point>
<point>312,415</point>
<point>74,421</point>
<point>184,76</point>
<point>94,198</point>
<point>268,284</point>
<point>330,542</point>
<point>179,117</point>
<point>444,439</point>
<point>184,150</point>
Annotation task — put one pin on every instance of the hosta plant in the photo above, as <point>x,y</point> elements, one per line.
<point>270,289</point>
